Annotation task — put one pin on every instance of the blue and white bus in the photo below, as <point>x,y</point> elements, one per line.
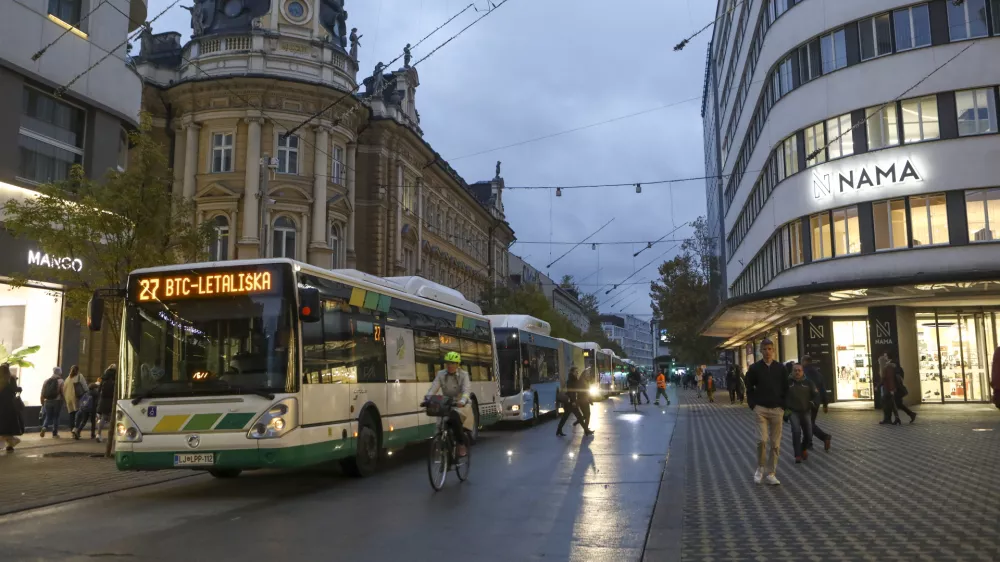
<point>598,361</point>
<point>531,368</point>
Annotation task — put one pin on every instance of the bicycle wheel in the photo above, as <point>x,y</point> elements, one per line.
<point>462,465</point>
<point>437,462</point>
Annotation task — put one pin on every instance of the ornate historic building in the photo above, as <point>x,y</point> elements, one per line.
<point>267,136</point>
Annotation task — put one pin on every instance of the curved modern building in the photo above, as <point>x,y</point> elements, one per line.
<point>858,206</point>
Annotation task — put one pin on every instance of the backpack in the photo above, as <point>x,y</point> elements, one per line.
<point>86,403</point>
<point>50,390</point>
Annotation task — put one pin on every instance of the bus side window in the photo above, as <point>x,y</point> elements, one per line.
<point>486,358</point>
<point>313,351</point>
<point>427,354</point>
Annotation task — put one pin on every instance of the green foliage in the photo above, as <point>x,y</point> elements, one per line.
<point>16,358</point>
<point>125,221</point>
<point>681,299</point>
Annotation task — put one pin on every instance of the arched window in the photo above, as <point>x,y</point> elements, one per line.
<point>283,245</point>
<point>218,249</point>
<point>336,262</point>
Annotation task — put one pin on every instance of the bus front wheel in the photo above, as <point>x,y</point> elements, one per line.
<point>534,411</point>
<point>365,461</point>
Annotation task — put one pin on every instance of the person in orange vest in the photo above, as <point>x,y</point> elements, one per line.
<point>661,388</point>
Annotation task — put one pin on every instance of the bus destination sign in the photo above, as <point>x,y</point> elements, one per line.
<point>208,284</point>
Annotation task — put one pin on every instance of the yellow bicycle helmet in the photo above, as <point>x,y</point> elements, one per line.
<point>452,357</point>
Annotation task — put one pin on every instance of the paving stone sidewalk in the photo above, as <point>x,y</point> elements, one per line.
<point>42,472</point>
<point>927,491</point>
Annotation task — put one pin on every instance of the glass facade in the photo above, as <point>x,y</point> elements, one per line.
<point>28,317</point>
<point>955,350</point>
<point>852,362</point>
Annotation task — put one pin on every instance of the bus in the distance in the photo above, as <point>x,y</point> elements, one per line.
<point>598,361</point>
<point>273,363</point>
<point>531,370</point>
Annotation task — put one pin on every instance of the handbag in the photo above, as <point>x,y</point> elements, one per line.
<point>18,403</point>
<point>80,389</point>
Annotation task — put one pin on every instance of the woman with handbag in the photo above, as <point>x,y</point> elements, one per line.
<point>10,409</point>
<point>74,389</point>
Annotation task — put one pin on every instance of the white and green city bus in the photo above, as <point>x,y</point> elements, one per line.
<point>273,363</point>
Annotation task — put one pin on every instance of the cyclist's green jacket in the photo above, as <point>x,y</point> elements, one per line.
<point>455,386</point>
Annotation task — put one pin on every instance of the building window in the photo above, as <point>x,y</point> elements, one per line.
<point>810,62</point>
<point>785,77</point>
<point>995,8</point>
<point>883,130</point>
<point>967,19</point>
<point>338,165</point>
<point>976,112</point>
<point>409,262</point>
<point>51,138</point>
<point>790,154</point>
<point>815,140</point>
<point>982,207</point>
<point>833,48</point>
<point>68,11</point>
<point>283,245</point>
<point>222,152</point>
<point>846,232</point>
<point>335,262</point>
<point>876,37</point>
<point>913,27</point>
<point>841,138</point>
<point>122,150</point>
<point>890,224</point>
<point>791,237</point>
<point>776,8</point>
<point>219,249</point>
<point>929,220</point>
<point>920,119</point>
<point>288,154</point>
<point>410,198</point>
<point>821,246</point>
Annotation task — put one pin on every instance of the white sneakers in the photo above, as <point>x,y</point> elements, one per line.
<point>758,477</point>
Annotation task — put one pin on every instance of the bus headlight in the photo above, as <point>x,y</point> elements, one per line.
<point>278,420</point>
<point>126,430</point>
<point>515,408</point>
<point>595,390</point>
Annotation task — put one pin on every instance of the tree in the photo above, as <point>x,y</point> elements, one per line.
<point>126,221</point>
<point>682,300</point>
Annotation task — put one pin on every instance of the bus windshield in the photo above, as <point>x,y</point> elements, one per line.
<point>233,344</point>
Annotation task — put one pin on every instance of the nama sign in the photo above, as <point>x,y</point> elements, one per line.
<point>871,176</point>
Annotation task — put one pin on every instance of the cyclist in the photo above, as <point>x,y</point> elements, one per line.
<point>453,382</point>
<point>634,380</point>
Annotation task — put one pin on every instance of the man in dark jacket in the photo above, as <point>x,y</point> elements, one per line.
<point>732,383</point>
<point>767,384</point>
<point>800,400</point>
<point>812,373</point>
<point>106,400</point>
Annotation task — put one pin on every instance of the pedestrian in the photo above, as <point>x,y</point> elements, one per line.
<point>642,386</point>
<point>584,399</point>
<point>87,411</point>
<point>901,392</point>
<point>661,388</point>
<point>800,398</point>
<point>732,383</point>
<point>11,407</point>
<point>710,386</point>
<point>106,398</point>
<point>699,376</point>
<point>890,415</point>
<point>51,399</point>
<point>813,374</point>
<point>767,383</point>
<point>74,388</point>
<point>574,387</point>
<point>740,384</point>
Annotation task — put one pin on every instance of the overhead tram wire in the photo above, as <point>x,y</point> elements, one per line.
<point>425,57</point>
<point>812,155</point>
<point>651,244</point>
<point>575,129</point>
<point>684,42</point>
<point>41,52</point>
<point>581,242</point>
<point>643,267</point>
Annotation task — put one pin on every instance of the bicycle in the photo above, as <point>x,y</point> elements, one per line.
<point>633,393</point>
<point>443,454</point>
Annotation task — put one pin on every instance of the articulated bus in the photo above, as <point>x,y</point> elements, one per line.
<point>533,366</point>
<point>598,361</point>
<point>273,363</point>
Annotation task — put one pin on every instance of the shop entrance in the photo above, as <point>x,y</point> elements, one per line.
<point>852,361</point>
<point>955,352</point>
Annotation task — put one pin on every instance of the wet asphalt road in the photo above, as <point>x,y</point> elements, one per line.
<point>530,496</point>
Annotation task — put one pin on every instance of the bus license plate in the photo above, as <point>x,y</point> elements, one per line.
<point>194,459</point>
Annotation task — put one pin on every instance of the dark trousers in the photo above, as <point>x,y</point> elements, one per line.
<point>662,392</point>
<point>801,431</point>
<point>642,390</point>
<point>732,394</point>
<point>585,411</point>
<point>457,429</point>
<point>822,435</point>
<point>572,408</point>
<point>52,409</point>
<point>892,405</point>
<point>81,422</point>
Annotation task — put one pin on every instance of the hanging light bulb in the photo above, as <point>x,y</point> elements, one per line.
<point>593,246</point>
<point>558,192</point>
<point>638,188</point>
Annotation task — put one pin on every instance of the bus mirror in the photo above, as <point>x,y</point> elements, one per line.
<point>95,313</point>
<point>309,305</point>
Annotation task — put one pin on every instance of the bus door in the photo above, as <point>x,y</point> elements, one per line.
<point>402,404</point>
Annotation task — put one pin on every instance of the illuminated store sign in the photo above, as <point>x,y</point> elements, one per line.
<point>865,177</point>
<point>44,260</point>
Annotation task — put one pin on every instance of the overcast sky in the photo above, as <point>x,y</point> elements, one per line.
<point>537,67</point>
